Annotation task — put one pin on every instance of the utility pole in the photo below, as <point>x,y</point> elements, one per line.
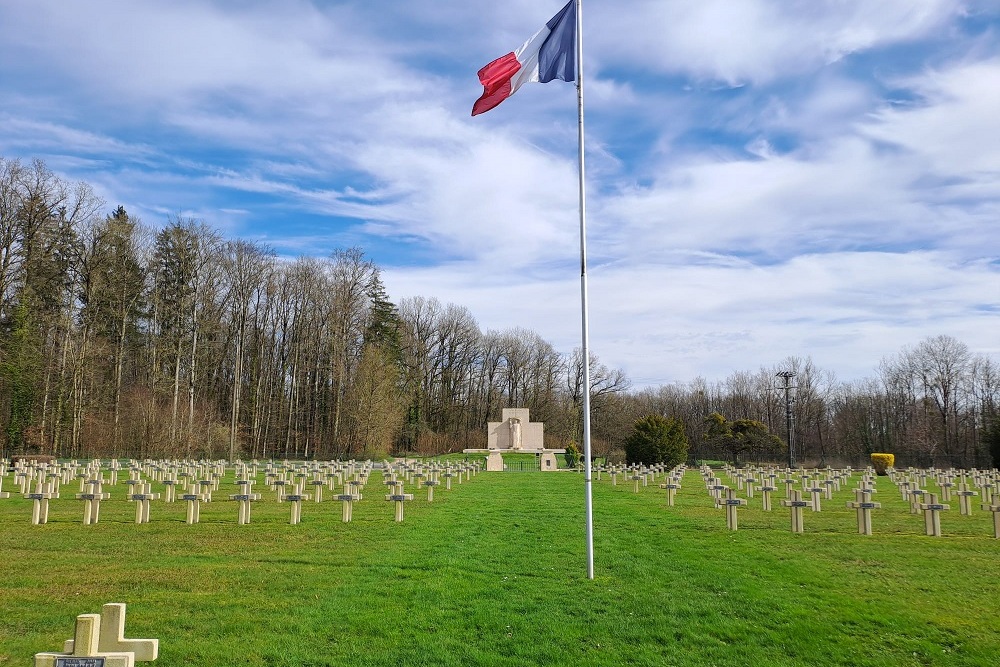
<point>788,375</point>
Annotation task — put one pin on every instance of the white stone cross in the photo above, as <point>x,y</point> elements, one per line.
<point>40,501</point>
<point>731,503</point>
<point>348,501</point>
<point>111,636</point>
<point>399,499</point>
<point>244,499</point>
<point>296,499</point>
<point>99,641</point>
<point>796,505</point>
<point>863,504</point>
<point>92,502</point>
<point>193,506</point>
<point>995,508</point>
<point>671,486</point>
<point>141,498</point>
<point>965,495</point>
<point>932,515</point>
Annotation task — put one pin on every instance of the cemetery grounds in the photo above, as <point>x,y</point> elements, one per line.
<point>493,573</point>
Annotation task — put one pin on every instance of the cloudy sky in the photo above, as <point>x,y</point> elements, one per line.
<point>766,178</point>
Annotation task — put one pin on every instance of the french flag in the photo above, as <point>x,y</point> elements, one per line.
<point>549,54</point>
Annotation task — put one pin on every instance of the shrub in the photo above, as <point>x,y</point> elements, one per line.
<point>883,461</point>
<point>572,455</point>
<point>656,439</point>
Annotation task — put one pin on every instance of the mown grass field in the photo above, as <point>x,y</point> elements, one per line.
<point>493,573</point>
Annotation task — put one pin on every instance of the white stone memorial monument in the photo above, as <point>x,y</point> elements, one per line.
<point>516,433</point>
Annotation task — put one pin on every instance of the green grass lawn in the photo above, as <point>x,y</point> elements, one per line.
<point>493,573</point>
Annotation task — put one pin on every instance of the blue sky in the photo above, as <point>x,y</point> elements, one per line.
<point>767,178</point>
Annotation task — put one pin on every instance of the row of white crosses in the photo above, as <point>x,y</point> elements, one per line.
<point>819,484</point>
<point>639,475</point>
<point>823,483</point>
<point>429,476</point>
<point>913,483</point>
<point>197,480</point>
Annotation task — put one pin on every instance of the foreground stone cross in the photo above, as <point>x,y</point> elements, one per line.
<point>671,487</point>
<point>965,495</point>
<point>399,499</point>
<point>348,500</point>
<point>141,499</point>
<point>193,506</point>
<point>995,508</point>
<point>40,504</point>
<point>731,503</point>
<point>932,515</point>
<point>796,505</point>
<point>296,501</point>
<point>99,641</point>
<point>92,503</point>
<point>244,499</point>
<point>864,506</point>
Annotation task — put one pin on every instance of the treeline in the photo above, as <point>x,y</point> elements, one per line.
<point>117,339</point>
<point>934,403</point>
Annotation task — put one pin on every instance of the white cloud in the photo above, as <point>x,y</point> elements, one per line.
<point>756,40</point>
<point>748,200</point>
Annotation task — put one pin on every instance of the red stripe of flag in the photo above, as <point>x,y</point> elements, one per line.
<point>495,78</point>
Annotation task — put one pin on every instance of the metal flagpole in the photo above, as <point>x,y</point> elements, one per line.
<point>585,331</point>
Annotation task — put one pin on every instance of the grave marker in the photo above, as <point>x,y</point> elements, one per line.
<point>430,484</point>
<point>671,487</point>
<point>170,489</point>
<point>731,503</point>
<point>40,502</point>
<point>193,507</point>
<point>141,500</point>
<point>765,495</point>
<point>92,502</point>
<point>244,500</point>
<point>965,496</point>
<point>796,505</point>
<point>348,500</point>
<point>111,636</point>
<point>916,496</point>
<point>863,504</point>
<point>317,485</point>
<point>816,492</point>
<point>995,508</point>
<point>932,515</point>
<point>85,652</point>
<point>296,501</point>
<point>399,499</point>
